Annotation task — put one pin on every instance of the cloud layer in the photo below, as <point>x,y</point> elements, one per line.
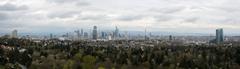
<point>187,16</point>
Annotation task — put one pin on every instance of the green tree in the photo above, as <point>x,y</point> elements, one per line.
<point>88,62</point>
<point>78,57</point>
<point>68,65</point>
<point>2,67</point>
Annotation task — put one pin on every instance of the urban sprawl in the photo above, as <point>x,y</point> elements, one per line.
<point>118,50</point>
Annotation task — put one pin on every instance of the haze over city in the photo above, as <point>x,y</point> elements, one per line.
<point>179,16</point>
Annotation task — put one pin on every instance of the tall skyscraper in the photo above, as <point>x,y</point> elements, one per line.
<point>145,34</point>
<point>116,33</point>
<point>51,36</point>
<point>219,35</point>
<point>110,35</point>
<point>76,35</point>
<point>14,34</point>
<point>126,35</point>
<point>170,38</point>
<point>85,35</point>
<point>82,32</point>
<point>67,35</point>
<point>104,35</point>
<point>95,33</point>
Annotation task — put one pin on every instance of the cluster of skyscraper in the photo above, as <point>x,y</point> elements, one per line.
<point>105,35</point>
<point>94,34</point>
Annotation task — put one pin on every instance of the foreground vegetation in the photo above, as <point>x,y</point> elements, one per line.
<point>55,54</point>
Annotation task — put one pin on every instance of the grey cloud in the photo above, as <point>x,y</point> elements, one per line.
<point>191,20</point>
<point>228,6</point>
<point>130,17</point>
<point>226,9</point>
<point>93,17</point>
<point>167,10</point>
<point>82,4</point>
<point>197,8</point>
<point>231,21</point>
<point>61,1</point>
<point>3,16</point>
<point>77,2</point>
<point>9,24</point>
<point>63,14</point>
<point>95,12</point>
<point>14,16</point>
<point>12,7</point>
<point>163,18</point>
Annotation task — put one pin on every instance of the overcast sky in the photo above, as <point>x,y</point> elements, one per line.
<point>185,16</point>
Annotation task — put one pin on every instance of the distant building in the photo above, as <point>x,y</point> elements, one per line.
<point>126,35</point>
<point>6,36</point>
<point>116,33</point>
<point>110,35</point>
<point>104,35</point>
<point>85,35</point>
<point>145,35</point>
<point>76,35</point>
<point>95,34</point>
<point>82,32</point>
<point>150,34</point>
<point>14,34</point>
<point>28,37</point>
<point>66,36</point>
<point>51,36</point>
<point>219,35</point>
<point>170,38</point>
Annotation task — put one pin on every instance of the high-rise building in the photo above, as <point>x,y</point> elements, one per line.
<point>116,33</point>
<point>126,35</point>
<point>67,35</point>
<point>85,35</point>
<point>94,34</point>
<point>51,36</point>
<point>76,35</point>
<point>219,35</point>
<point>14,34</point>
<point>82,32</point>
<point>145,34</point>
<point>170,38</point>
<point>110,35</point>
<point>104,35</point>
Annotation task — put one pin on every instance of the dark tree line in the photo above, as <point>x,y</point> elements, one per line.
<point>56,54</point>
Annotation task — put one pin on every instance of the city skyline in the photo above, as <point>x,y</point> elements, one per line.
<point>115,35</point>
<point>186,16</point>
<point>116,31</point>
